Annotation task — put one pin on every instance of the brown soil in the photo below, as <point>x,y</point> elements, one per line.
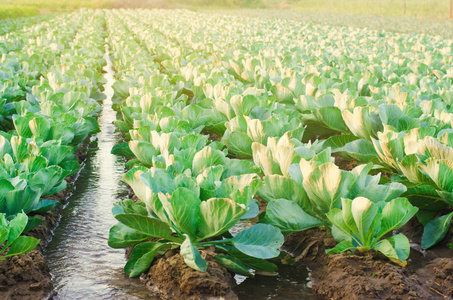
<point>44,231</point>
<point>214,137</point>
<point>171,278</point>
<point>370,276</point>
<point>413,230</point>
<point>308,247</point>
<point>344,164</point>
<point>27,276</point>
<point>438,277</point>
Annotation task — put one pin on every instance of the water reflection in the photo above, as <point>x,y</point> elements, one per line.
<point>291,283</point>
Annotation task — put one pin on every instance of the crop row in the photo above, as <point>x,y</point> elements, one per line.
<point>287,100</point>
<point>50,87</point>
<point>11,25</point>
<point>226,123</point>
<point>186,184</point>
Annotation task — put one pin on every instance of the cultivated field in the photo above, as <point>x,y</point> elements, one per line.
<point>247,145</point>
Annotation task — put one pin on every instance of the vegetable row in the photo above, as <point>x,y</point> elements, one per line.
<point>51,85</point>
<point>11,25</point>
<point>284,97</point>
<point>191,193</point>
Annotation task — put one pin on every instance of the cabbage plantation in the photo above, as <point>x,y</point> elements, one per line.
<point>234,134</point>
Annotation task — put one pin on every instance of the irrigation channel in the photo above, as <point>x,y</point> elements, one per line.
<point>83,266</point>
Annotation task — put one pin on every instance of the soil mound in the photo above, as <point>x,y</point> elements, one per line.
<point>171,278</point>
<point>367,276</point>
<point>438,276</point>
<point>25,277</point>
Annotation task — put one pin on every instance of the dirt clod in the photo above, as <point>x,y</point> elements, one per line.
<point>438,276</point>
<point>26,277</point>
<point>171,278</point>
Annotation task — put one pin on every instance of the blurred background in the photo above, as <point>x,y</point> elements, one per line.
<point>425,16</point>
<point>437,9</point>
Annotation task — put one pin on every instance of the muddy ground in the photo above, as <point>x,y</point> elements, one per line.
<point>171,278</point>
<point>370,275</point>
<point>27,276</point>
<point>343,163</point>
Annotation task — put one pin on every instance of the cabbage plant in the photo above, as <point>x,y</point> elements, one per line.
<point>431,169</point>
<point>425,164</point>
<point>243,131</point>
<point>320,114</point>
<point>10,236</point>
<point>314,187</point>
<point>366,223</point>
<point>147,184</point>
<point>190,225</point>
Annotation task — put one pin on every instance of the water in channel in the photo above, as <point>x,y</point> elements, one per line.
<point>83,266</point>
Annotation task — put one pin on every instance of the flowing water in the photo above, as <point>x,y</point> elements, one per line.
<point>291,283</point>
<point>83,266</point>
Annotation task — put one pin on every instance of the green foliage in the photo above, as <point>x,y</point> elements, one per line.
<point>292,100</point>
<point>365,223</point>
<point>48,109</point>
<point>10,231</point>
<point>191,224</point>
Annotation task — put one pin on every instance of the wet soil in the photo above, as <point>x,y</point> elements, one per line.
<point>27,276</point>
<point>413,230</point>
<point>343,163</point>
<point>214,137</point>
<point>437,275</point>
<point>368,276</point>
<point>171,278</point>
